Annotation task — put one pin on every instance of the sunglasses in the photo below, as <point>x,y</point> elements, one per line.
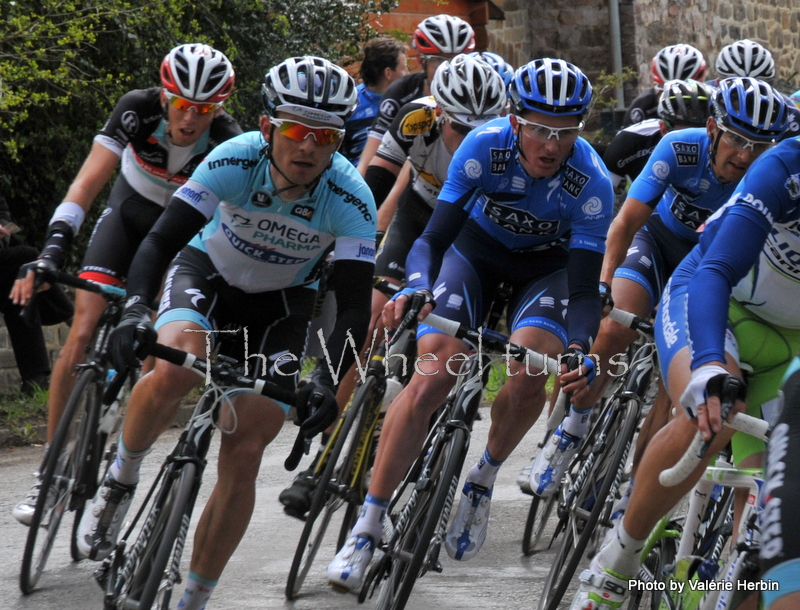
<point>542,133</point>
<point>297,131</point>
<point>184,105</point>
<point>460,128</point>
<point>734,140</point>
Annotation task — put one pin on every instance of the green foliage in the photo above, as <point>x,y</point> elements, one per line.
<point>64,63</point>
<point>23,415</point>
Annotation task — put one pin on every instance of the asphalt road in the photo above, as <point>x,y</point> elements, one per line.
<point>499,577</point>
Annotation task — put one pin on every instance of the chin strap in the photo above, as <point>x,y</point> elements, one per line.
<point>267,150</point>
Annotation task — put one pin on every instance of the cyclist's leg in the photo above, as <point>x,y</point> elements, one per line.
<point>780,536</point>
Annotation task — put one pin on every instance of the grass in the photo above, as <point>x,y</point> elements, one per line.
<point>23,416</point>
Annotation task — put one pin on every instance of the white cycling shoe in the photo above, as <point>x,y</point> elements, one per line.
<point>600,589</point>
<point>346,571</point>
<point>552,462</point>
<point>468,529</point>
<point>103,518</point>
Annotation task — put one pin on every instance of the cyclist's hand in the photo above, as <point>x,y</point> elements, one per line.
<point>134,337</point>
<point>606,299</point>
<point>702,398</point>
<point>316,406</point>
<point>394,311</point>
<point>25,285</point>
<point>577,370</point>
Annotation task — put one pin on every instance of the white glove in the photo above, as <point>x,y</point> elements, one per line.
<point>695,392</point>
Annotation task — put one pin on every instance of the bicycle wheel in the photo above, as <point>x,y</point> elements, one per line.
<point>150,567</point>
<point>653,570</point>
<point>58,479</point>
<point>330,491</point>
<point>534,528</point>
<point>585,510</point>
<point>417,547</point>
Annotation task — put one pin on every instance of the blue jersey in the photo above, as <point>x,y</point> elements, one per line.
<point>257,241</point>
<point>486,179</point>
<point>679,183</point>
<point>750,249</point>
<point>358,125</point>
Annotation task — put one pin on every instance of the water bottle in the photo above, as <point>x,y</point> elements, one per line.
<point>109,418</point>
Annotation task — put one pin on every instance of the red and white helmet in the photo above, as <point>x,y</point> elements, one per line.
<point>444,34</point>
<point>678,62</point>
<point>198,73</point>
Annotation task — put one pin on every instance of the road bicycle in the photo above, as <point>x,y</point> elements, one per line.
<point>591,484</point>
<point>339,476</point>
<point>85,440</point>
<point>420,508</point>
<point>143,569</point>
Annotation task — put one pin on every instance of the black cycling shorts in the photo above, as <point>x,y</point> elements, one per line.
<point>409,222</point>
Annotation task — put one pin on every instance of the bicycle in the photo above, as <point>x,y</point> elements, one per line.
<point>592,481</point>
<point>85,440</point>
<point>420,508</point>
<point>339,475</point>
<point>142,574</point>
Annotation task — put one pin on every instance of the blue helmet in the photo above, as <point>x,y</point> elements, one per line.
<point>551,86</point>
<point>750,106</point>
<point>500,65</point>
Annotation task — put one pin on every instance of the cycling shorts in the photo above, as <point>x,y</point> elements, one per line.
<point>122,226</point>
<point>780,536</point>
<point>763,349</point>
<point>409,222</point>
<point>276,322</point>
<point>473,269</point>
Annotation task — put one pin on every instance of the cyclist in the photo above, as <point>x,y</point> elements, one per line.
<point>161,135</point>
<point>385,60</point>
<point>690,174</point>
<point>675,62</point>
<point>733,299</point>
<point>526,202</point>
<point>780,548</point>
<point>681,104</point>
<point>270,204</point>
<point>500,65</point>
<point>466,93</point>
<point>436,39</point>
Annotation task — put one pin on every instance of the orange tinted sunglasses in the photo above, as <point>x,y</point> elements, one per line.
<point>184,105</point>
<point>297,131</point>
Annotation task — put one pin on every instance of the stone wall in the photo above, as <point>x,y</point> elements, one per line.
<point>54,336</point>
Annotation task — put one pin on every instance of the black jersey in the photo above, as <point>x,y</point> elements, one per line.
<point>399,93</point>
<point>631,148</point>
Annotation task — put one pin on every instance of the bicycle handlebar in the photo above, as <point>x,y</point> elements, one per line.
<point>631,321</point>
<point>225,375</point>
<point>694,454</point>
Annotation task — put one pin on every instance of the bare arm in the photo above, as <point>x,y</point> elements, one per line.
<point>94,174</point>
<point>389,206</point>
<point>370,148</point>
<point>631,218</point>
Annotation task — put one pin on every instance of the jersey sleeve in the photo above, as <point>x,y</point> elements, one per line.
<point>355,223</point>
<point>130,119</point>
<point>413,120</point>
<point>657,174</point>
<point>468,173</point>
<point>592,211</point>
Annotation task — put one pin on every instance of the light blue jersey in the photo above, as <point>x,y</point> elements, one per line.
<point>679,182</point>
<point>257,241</point>
<point>523,213</point>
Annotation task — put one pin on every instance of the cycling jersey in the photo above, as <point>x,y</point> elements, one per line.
<point>399,93</point>
<point>257,241</point>
<point>679,184</point>
<point>151,164</point>
<point>628,152</point>
<point>415,134</point>
<point>645,106</point>
<point>359,123</point>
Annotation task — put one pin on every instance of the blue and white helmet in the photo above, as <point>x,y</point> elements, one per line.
<point>500,65</point>
<point>551,86</point>
<point>750,106</point>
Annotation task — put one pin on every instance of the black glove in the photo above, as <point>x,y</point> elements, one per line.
<point>43,264</point>
<point>575,358</point>
<point>607,302</point>
<point>316,404</point>
<point>134,337</point>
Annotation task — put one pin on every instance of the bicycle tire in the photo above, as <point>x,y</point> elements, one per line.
<point>168,515</point>
<point>323,500</point>
<point>416,541</point>
<point>59,473</point>
<point>533,535</point>
<point>653,570</point>
<point>605,470</point>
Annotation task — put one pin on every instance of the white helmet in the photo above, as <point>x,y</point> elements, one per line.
<point>745,58</point>
<point>310,87</point>
<point>469,89</point>
<point>444,34</point>
<point>678,62</point>
<point>198,73</point>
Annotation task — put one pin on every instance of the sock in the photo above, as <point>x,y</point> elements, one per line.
<point>485,471</point>
<point>198,592</point>
<point>125,468</point>
<point>370,521</point>
<point>577,422</point>
<point>622,504</point>
<point>622,554</point>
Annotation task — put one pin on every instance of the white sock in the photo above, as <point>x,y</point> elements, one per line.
<point>577,422</point>
<point>485,471</point>
<point>197,593</point>
<point>125,468</point>
<point>622,553</point>
<point>370,521</point>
